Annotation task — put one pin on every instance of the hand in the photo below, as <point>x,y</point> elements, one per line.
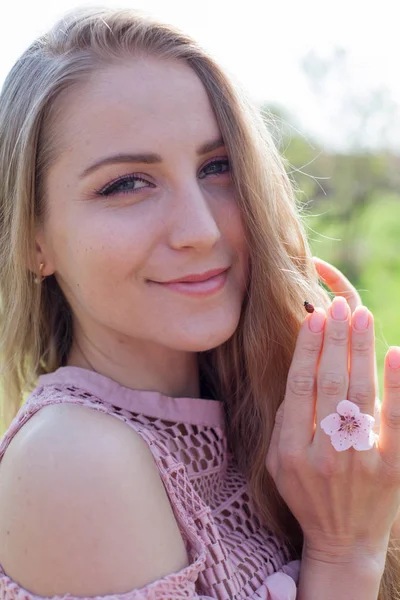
<point>337,282</point>
<point>341,286</point>
<point>345,502</point>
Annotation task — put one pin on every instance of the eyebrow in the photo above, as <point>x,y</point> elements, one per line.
<point>148,158</point>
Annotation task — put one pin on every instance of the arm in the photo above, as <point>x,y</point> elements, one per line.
<point>83,509</point>
<point>351,577</point>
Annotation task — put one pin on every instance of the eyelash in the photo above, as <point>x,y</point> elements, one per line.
<point>111,188</point>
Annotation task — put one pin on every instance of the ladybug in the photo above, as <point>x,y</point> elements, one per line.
<point>309,307</point>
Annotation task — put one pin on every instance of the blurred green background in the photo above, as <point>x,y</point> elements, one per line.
<point>351,197</point>
<point>353,219</point>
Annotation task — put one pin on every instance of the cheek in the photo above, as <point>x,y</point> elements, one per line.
<point>103,246</point>
<point>233,229</point>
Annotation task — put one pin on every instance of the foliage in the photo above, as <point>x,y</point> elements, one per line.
<point>351,206</point>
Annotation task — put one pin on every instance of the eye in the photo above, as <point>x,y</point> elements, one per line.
<point>124,185</point>
<point>216,167</point>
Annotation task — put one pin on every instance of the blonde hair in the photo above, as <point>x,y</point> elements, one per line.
<point>249,371</point>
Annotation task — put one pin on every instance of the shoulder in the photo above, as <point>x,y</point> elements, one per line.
<point>83,509</point>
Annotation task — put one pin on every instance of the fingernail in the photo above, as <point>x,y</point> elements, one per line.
<point>339,308</point>
<point>360,318</point>
<point>317,321</point>
<point>394,357</point>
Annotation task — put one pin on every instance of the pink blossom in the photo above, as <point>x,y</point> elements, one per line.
<point>349,427</point>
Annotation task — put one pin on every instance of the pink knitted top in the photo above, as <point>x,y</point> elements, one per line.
<point>231,556</point>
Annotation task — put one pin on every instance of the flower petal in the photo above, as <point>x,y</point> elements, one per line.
<point>366,421</point>
<point>341,441</point>
<point>345,407</point>
<point>331,423</point>
<point>364,441</point>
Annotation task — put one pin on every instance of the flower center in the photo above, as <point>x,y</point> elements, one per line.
<point>348,424</point>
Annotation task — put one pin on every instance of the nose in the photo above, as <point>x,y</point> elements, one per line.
<point>192,222</point>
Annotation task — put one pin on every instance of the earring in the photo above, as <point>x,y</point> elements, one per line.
<point>37,279</point>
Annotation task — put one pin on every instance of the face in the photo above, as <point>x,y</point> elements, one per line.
<point>141,194</point>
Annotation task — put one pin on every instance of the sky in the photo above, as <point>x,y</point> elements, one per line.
<point>332,66</point>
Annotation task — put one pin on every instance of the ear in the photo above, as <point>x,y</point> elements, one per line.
<point>43,255</point>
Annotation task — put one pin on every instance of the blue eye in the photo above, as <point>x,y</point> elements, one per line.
<point>216,167</point>
<point>124,185</point>
<point>127,184</point>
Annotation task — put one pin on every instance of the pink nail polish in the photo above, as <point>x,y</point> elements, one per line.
<point>361,318</point>
<point>339,308</point>
<point>394,357</point>
<point>317,321</point>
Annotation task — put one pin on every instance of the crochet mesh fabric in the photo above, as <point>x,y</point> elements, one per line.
<point>231,555</point>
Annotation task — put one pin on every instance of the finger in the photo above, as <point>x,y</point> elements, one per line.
<point>389,436</point>
<point>337,282</point>
<point>377,416</point>
<point>333,374</point>
<point>341,286</point>
<point>362,361</point>
<point>299,408</point>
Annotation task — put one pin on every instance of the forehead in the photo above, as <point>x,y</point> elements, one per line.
<point>143,101</point>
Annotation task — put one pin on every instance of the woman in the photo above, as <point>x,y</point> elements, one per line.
<point>154,269</point>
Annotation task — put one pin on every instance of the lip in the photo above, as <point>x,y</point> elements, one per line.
<point>198,276</point>
<point>200,285</point>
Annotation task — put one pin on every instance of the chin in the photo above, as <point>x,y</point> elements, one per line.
<point>204,337</point>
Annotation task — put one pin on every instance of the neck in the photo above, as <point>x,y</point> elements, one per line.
<point>137,364</point>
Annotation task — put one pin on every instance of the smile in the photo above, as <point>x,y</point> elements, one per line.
<point>200,286</point>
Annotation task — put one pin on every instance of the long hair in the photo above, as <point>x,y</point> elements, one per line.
<point>249,371</point>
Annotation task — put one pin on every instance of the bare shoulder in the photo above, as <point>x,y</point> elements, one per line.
<point>83,509</point>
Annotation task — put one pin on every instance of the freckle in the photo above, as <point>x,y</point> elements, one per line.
<point>8,533</point>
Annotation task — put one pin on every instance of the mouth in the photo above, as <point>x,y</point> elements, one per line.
<point>198,276</point>
<point>199,284</point>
